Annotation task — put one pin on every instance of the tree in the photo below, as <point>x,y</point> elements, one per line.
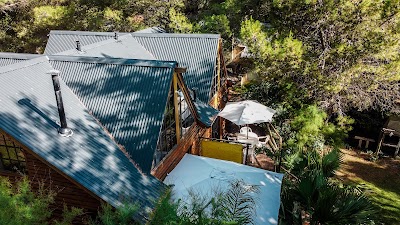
<point>19,205</point>
<point>343,53</point>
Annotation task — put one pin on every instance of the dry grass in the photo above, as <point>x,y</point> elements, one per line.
<point>380,180</point>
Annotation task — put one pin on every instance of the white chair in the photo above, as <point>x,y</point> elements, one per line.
<point>245,130</point>
<point>230,138</point>
<point>263,143</point>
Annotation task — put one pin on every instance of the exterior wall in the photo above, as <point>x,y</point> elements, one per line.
<point>189,142</point>
<point>68,193</point>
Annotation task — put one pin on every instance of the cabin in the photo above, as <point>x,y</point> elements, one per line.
<point>200,54</point>
<point>149,95</point>
<point>69,150</point>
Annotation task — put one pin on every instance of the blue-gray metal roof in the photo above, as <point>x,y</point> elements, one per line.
<point>196,52</point>
<point>127,96</point>
<point>11,58</point>
<point>60,40</point>
<point>206,113</point>
<point>28,112</point>
<point>125,46</point>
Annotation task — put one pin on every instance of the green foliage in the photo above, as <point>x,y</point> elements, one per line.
<point>120,216</point>
<point>69,215</point>
<point>19,205</point>
<point>238,205</point>
<point>312,129</point>
<point>313,192</point>
<point>234,206</point>
<point>179,22</point>
<point>25,25</point>
<point>215,24</point>
<point>343,53</point>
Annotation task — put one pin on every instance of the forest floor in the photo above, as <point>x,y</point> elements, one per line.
<point>379,179</point>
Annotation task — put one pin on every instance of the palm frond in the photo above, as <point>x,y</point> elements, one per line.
<point>239,202</point>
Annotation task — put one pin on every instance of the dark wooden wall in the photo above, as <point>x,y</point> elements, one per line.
<point>68,192</point>
<point>190,141</point>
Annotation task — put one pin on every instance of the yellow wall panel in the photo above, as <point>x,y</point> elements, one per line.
<point>221,150</point>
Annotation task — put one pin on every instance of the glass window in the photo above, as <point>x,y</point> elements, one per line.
<point>186,118</point>
<point>12,157</point>
<point>167,139</point>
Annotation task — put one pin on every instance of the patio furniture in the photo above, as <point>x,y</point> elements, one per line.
<point>245,130</point>
<point>362,139</point>
<point>263,143</point>
<point>390,129</point>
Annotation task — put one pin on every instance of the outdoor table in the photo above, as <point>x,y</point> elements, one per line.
<point>250,140</point>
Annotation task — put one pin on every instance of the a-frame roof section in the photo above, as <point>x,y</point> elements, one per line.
<point>196,52</point>
<point>127,96</point>
<point>124,46</point>
<point>60,40</point>
<point>11,58</point>
<point>28,112</point>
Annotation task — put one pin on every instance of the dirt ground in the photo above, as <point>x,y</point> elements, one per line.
<point>379,179</point>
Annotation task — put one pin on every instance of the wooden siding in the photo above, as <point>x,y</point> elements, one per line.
<point>69,193</point>
<point>192,138</point>
<point>188,142</point>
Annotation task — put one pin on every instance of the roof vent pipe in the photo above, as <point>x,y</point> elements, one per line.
<point>116,36</point>
<point>63,130</point>
<point>78,46</point>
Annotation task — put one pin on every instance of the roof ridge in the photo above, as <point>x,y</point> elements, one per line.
<point>176,35</point>
<point>86,33</point>
<point>118,61</point>
<point>24,64</point>
<point>112,39</point>
<point>12,55</point>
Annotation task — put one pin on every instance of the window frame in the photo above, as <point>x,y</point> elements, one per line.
<point>16,164</point>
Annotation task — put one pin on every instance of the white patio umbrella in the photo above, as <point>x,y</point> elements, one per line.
<point>204,175</point>
<point>247,112</point>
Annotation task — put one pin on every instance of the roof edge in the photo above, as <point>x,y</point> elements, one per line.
<point>118,61</point>
<point>12,55</point>
<point>20,65</point>
<point>77,32</point>
<point>176,35</point>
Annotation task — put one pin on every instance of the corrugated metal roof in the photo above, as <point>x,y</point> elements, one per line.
<point>60,40</point>
<point>127,96</point>
<point>124,47</point>
<point>11,58</point>
<point>196,52</point>
<point>206,113</point>
<point>28,112</point>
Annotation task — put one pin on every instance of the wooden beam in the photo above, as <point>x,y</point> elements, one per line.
<point>180,70</point>
<point>219,65</point>
<point>176,108</point>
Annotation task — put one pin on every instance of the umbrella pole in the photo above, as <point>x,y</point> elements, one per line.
<point>247,153</point>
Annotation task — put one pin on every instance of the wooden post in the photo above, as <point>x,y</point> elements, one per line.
<point>177,116</point>
<point>219,66</point>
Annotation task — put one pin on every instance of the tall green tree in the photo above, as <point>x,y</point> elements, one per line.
<point>343,53</point>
